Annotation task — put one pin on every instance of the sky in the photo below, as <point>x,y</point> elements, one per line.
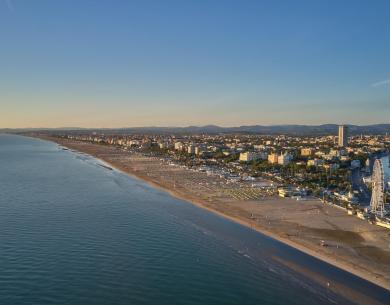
<point>112,63</point>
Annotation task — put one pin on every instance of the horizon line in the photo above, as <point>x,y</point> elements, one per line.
<point>193,126</point>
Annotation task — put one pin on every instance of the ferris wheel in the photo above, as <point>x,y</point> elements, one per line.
<point>378,189</point>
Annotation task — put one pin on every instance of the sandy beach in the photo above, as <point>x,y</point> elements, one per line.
<point>352,244</point>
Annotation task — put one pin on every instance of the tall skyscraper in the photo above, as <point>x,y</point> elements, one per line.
<point>343,136</point>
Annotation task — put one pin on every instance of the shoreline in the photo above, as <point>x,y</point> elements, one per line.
<point>247,224</point>
<point>201,203</point>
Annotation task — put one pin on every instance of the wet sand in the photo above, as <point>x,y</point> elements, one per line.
<point>353,245</point>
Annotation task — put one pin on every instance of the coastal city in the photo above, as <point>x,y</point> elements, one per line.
<point>339,169</point>
<point>195,152</point>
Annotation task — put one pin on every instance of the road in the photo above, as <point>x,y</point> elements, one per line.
<point>358,185</point>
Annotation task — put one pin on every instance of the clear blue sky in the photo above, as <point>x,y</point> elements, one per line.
<point>140,63</point>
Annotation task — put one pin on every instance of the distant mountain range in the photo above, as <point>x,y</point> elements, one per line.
<point>325,129</point>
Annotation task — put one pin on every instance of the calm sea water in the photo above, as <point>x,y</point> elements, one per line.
<point>74,232</point>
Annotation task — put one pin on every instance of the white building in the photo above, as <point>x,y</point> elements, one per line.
<point>251,156</point>
<point>163,145</point>
<point>179,146</point>
<point>343,136</point>
<point>191,149</point>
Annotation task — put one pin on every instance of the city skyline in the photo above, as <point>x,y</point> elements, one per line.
<point>99,65</point>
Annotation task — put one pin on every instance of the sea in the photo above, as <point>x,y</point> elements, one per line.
<point>74,232</point>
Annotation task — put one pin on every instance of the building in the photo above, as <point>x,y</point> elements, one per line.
<point>163,145</point>
<point>273,158</point>
<point>355,163</point>
<point>179,146</point>
<point>332,167</point>
<point>343,136</point>
<point>307,151</point>
<point>251,156</point>
<point>284,159</point>
<point>291,192</point>
<point>246,156</point>
<point>315,162</point>
<point>146,143</point>
<point>198,150</point>
<point>191,149</point>
<point>259,147</point>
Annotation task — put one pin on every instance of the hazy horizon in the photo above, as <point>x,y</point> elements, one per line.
<point>191,125</point>
<point>117,64</point>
